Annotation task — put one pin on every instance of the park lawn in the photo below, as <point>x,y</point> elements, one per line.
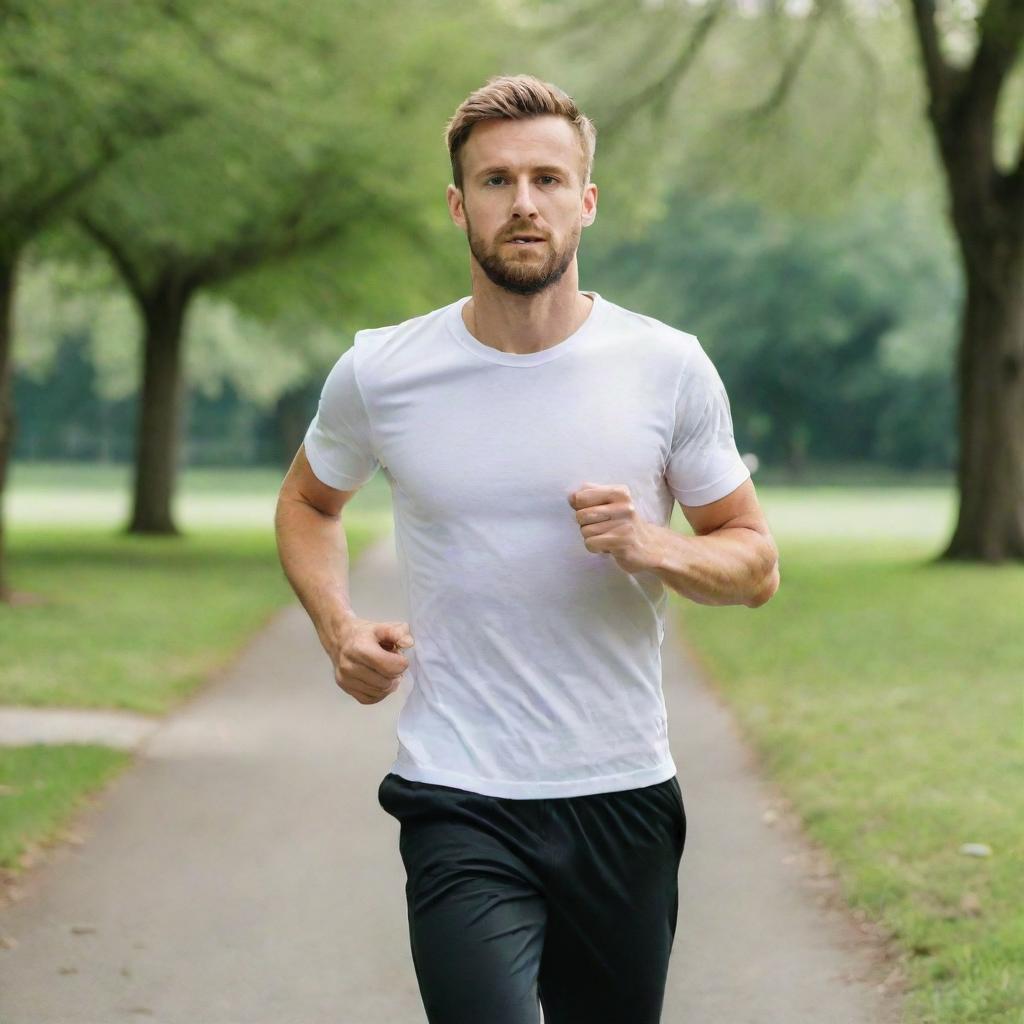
<point>41,786</point>
<point>886,696</point>
<point>135,623</point>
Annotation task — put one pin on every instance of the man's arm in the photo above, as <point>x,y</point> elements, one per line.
<point>313,550</point>
<point>731,559</point>
<point>312,546</point>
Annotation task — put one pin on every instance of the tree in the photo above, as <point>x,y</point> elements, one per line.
<point>821,336</point>
<point>82,85</point>
<point>986,205</point>
<point>268,175</point>
<point>751,129</point>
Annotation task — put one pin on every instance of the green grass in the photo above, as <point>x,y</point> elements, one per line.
<point>133,622</point>
<point>886,696</point>
<point>41,787</point>
<point>80,494</point>
<point>122,622</point>
<point>924,512</point>
<point>130,622</point>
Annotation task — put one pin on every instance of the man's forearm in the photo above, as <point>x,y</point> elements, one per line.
<point>313,551</point>
<point>733,565</point>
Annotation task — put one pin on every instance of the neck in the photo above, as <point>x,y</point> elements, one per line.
<point>522,324</point>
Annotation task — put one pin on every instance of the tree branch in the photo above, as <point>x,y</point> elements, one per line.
<point>117,252</point>
<point>1014,180</point>
<point>206,44</point>
<point>261,243</point>
<point>29,212</point>
<point>790,69</point>
<point>941,77</point>
<point>579,21</point>
<point>873,75</point>
<point>1000,36</point>
<point>656,93</point>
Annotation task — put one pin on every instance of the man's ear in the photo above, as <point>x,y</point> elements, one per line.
<point>454,199</point>
<point>589,204</point>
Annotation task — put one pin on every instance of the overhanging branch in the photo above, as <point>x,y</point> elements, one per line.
<point>207,45</point>
<point>939,74</point>
<point>656,93</point>
<point>790,69</point>
<point>118,253</point>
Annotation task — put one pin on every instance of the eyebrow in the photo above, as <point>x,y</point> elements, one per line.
<point>488,171</point>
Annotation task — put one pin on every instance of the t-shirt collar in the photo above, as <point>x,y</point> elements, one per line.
<point>462,335</point>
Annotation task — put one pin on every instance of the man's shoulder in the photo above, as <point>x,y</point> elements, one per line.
<point>657,336</point>
<point>370,339</point>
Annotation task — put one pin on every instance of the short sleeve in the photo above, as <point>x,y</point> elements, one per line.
<point>704,463</point>
<point>338,441</point>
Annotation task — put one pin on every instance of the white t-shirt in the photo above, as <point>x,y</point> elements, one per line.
<point>536,667</point>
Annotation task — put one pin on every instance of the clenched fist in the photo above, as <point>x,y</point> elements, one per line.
<point>367,665</point>
<point>608,519</point>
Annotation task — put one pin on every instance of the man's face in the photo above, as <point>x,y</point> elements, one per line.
<point>523,177</point>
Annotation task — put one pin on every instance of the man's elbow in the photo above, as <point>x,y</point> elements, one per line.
<point>768,572</point>
<point>767,590</point>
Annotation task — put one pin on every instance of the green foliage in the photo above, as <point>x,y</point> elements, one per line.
<point>833,335</point>
<point>333,149</point>
<point>80,85</point>
<point>316,170</point>
<point>802,107</point>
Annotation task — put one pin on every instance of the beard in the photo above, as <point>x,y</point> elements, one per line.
<point>523,275</point>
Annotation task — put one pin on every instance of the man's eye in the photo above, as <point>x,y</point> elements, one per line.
<point>500,177</point>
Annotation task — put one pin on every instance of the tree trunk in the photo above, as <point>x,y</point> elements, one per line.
<point>986,206</point>
<point>990,471</point>
<point>158,436</point>
<point>8,269</point>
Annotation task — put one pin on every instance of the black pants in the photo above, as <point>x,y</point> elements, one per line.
<point>569,901</point>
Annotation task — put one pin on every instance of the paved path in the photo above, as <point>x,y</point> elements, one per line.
<point>242,871</point>
<point>112,728</point>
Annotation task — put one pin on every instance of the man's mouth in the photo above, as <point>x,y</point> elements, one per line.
<point>524,240</point>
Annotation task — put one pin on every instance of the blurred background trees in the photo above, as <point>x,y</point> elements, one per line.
<point>812,105</point>
<point>203,203</point>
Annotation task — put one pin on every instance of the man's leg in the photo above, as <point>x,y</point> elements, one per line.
<point>476,917</point>
<point>612,905</point>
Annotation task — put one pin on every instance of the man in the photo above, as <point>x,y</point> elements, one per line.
<point>534,437</point>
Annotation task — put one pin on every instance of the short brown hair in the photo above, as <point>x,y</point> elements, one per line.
<point>512,98</point>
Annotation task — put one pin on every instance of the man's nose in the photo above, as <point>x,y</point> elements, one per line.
<point>523,203</point>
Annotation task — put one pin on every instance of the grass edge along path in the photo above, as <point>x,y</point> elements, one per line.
<point>45,787</point>
<point>882,696</point>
